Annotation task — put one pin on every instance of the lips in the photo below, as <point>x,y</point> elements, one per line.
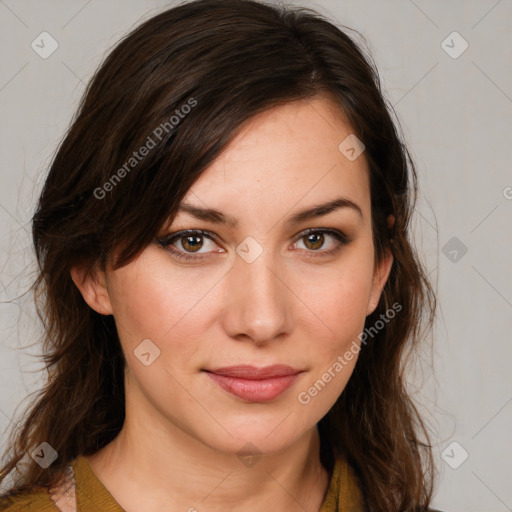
<point>253,373</point>
<point>255,384</point>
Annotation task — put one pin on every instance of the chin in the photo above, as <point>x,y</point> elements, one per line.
<point>247,440</point>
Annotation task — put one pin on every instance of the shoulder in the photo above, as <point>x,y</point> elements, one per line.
<point>34,500</point>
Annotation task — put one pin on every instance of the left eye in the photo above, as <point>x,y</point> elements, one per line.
<point>315,240</point>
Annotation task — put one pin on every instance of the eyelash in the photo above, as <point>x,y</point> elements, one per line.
<point>167,242</point>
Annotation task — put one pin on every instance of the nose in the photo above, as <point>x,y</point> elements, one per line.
<point>258,301</point>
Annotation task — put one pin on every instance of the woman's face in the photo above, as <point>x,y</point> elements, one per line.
<point>259,291</point>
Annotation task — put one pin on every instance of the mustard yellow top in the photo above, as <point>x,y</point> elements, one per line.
<point>343,493</point>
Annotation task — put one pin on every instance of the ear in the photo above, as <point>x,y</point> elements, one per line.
<point>93,287</point>
<point>380,275</point>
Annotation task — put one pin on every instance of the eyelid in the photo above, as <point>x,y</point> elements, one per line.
<point>330,231</point>
<point>167,241</point>
<point>212,236</point>
<point>169,238</point>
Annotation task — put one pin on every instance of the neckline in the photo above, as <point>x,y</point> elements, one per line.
<point>100,497</point>
<point>331,498</point>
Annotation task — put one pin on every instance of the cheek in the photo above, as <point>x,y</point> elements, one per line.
<point>151,302</point>
<point>149,295</point>
<point>339,296</point>
<point>336,310</point>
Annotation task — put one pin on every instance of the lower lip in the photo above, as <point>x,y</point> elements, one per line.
<point>254,390</point>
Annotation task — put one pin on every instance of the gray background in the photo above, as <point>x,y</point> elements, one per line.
<point>456,117</point>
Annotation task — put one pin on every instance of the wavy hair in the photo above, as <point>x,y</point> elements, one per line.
<point>235,59</point>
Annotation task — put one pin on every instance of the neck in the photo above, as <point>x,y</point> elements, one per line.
<point>152,466</point>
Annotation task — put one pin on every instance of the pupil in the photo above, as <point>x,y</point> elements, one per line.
<point>311,239</point>
<point>194,242</point>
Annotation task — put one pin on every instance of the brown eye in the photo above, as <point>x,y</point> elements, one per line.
<point>191,243</point>
<point>314,240</point>
<point>318,242</point>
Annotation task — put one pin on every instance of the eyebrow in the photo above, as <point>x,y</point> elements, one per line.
<point>211,215</point>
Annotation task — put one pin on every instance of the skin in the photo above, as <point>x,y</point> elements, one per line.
<point>178,447</point>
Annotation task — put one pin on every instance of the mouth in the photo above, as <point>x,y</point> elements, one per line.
<point>253,384</point>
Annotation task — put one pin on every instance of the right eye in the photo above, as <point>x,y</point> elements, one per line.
<point>189,243</point>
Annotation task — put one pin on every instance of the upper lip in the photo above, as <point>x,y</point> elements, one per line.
<point>254,373</point>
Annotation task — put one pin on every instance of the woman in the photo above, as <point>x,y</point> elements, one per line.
<point>226,279</point>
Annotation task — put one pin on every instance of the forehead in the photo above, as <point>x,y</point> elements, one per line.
<point>289,155</point>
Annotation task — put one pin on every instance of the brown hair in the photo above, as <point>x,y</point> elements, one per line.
<point>228,60</point>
